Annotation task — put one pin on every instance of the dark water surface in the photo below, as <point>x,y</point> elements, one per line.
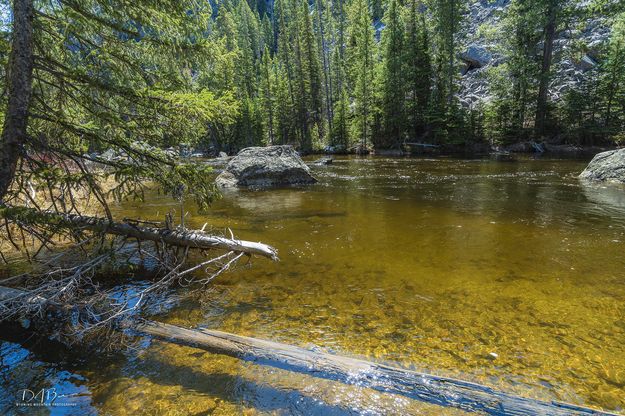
<point>510,274</point>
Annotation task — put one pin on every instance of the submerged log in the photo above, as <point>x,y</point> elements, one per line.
<point>429,388</point>
<point>419,386</point>
<point>180,238</point>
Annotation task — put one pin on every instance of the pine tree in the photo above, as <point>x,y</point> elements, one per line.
<point>312,70</point>
<point>268,94</point>
<point>392,86</point>
<point>324,24</point>
<point>447,16</point>
<point>339,139</point>
<point>613,78</point>
<point>359,59</point>
<point>284,116</point>
<point>552,10</point>
<point>417,70</point>
<point>102,83</point>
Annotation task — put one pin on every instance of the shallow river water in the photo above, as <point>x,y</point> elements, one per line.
<point>510,274</point>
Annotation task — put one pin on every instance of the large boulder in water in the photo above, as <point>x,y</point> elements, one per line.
<point>261,167</point>
<point>606,166</point>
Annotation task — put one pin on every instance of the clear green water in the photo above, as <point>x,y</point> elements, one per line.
<point>428,264</point>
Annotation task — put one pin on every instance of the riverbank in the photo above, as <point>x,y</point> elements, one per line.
<point>483,149</point>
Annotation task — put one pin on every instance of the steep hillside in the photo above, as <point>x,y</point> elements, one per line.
<point>577,50</point>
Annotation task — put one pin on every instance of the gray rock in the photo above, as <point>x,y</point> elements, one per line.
<point>607,166</point>
<point>476,56</point>
<point>503,157</point>
<point>223,155</point>
<point>326,160</point>
<point>586,63</point>
<point>607,196</point>
<point>261,167</point>
<point>108,155</point>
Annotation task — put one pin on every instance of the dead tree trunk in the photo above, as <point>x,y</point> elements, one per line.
<point>179,238</point>
<point>19,87</point>
<point>419,386</point>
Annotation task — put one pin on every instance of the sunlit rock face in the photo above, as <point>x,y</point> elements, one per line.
<point>607,166</point>
<point>262,167</point>
<point>577,50</point>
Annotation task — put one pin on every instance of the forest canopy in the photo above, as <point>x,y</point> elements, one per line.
<point>326,74</point>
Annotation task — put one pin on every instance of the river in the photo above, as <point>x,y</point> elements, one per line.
<point>509,274</point>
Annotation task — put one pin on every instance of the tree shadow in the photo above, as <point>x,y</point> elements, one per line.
<point>234,389</point>
<point>241,391</point>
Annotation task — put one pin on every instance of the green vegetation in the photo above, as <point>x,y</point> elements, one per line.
<point>339,73</point>
<point>83,78</point>
<point>97,98</point>
<point>358,74</point>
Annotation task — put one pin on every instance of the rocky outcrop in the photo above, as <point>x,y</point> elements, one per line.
<point>607,166</point>
<point>577,50</point>
<point>262,167</point>
<point>476,56</point>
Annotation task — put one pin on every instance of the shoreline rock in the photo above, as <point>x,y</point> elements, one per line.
<point>606,167</point>
<point>264,167</point>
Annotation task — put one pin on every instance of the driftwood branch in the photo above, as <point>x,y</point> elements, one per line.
<point>419,386</point>
<point>178,238</point>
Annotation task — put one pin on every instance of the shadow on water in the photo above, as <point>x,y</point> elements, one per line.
<point>605,195</point>
<point>239,390</point>
<point>29,361</point>
<point>32,362</point>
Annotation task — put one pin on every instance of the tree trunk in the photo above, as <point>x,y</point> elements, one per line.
<point>178,238</point>
<point>326,65</point>
<point>613,86</point>
<point>452,46</point>
<point>541,103</point>
<point>19,87</point>
<point>443,391</point>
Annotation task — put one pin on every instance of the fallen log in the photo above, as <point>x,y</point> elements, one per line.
<point>419,386</point>
<point>179,238</point>
<point>429,388</point>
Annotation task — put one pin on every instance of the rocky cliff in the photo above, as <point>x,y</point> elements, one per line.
<point>577,50</point>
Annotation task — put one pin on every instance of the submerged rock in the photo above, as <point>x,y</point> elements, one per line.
<point>502,157</point>
<point>389,152</point>
<point>326,160</point>
<point>262,167</point>
<point>607,166</point>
